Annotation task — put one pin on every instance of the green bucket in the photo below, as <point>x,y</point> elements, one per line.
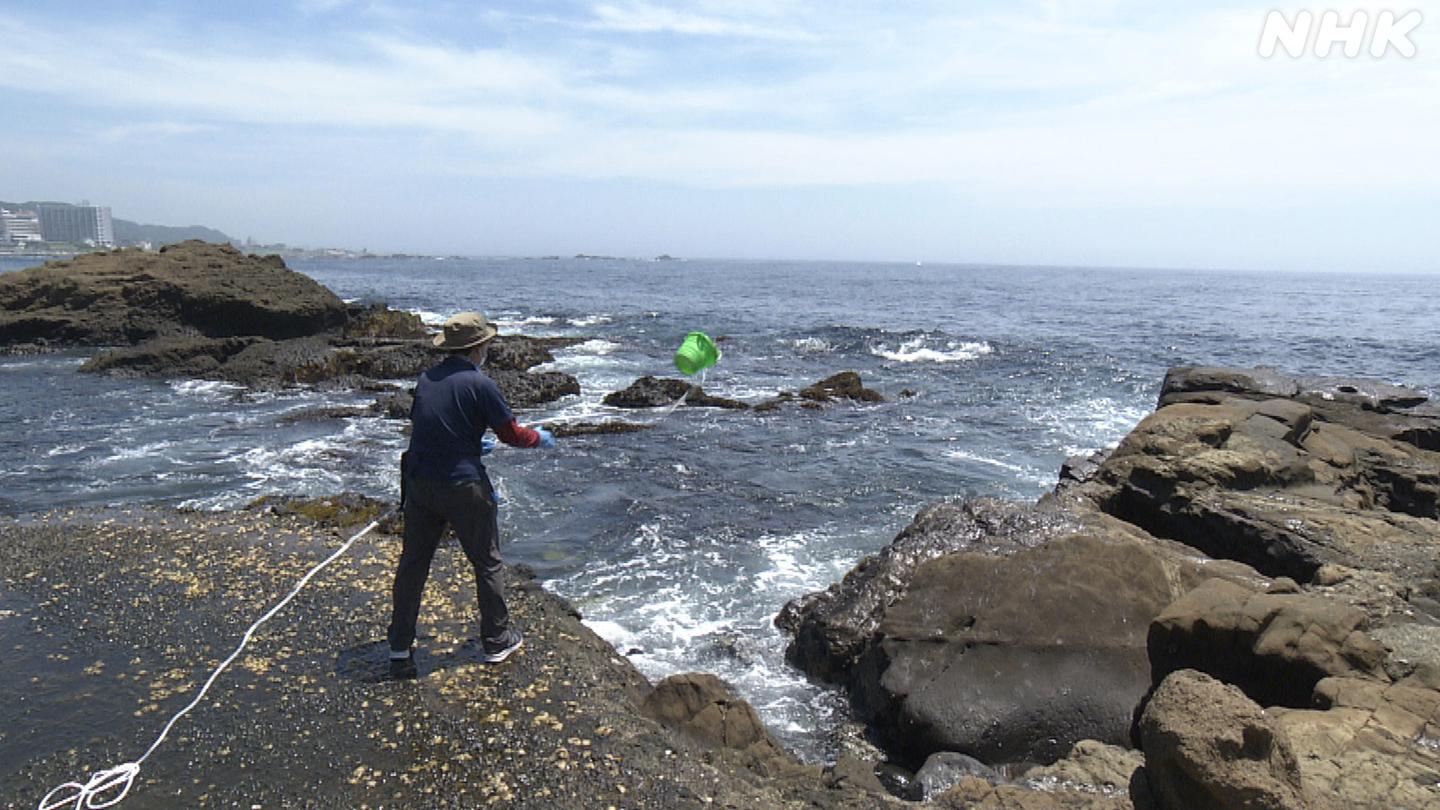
<point>697,353</point>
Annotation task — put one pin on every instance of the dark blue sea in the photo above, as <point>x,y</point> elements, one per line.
<point>679,544</point>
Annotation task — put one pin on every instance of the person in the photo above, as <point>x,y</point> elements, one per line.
<point>445,483</point>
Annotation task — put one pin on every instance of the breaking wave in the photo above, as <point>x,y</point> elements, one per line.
<point>916,350</point>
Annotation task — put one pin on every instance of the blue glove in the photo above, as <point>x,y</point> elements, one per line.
<point>487,446</point>
<point>547,439</point>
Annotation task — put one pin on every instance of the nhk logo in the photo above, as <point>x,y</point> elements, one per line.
<point>1301,35</point>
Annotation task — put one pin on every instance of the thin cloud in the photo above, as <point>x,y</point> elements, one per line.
<point>154,130</point>
<point>1008,104</point>
<point>647,18</point>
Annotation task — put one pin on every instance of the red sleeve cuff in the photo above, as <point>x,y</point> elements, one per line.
<point>516,436</point>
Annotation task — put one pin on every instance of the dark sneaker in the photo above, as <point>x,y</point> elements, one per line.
<point>493,652</point>
<point>403,669</point>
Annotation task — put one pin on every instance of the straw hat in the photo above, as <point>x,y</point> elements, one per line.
<point>464,331</point>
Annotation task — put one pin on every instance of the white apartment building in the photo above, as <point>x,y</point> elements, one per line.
<point>20,227</point>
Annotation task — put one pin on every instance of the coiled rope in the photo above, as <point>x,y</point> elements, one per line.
<point>95,793</point>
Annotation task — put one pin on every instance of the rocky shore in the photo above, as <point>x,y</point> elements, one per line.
<point>203,311</point>
<point>1238,603</point>
<point>1080,652</point>
<point>1238,606</point>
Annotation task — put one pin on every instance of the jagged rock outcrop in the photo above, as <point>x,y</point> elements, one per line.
<point>845,385</point>
<point>1275,647</point>
<point>190,289</point>
<point>1340,472</point>
<point>656,392</point>
<point>379,321</point>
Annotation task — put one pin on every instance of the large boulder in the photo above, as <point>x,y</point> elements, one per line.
<point>1010,646</point>
<point>1275,647</point>
<point>194,288</point>
<point>1208,746</point>
<point>833,628</point>
<point>704,708</point>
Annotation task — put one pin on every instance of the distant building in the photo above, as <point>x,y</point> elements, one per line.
<point>78,224</point>
<point>19,227</point>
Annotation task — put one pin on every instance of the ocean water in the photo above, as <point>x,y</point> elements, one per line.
<point>679,544</point>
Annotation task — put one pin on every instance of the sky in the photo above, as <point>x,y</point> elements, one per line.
<point>1053,132</point>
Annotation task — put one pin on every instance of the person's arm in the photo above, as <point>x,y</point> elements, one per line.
<point>515,435</point>
<point>498,416</point>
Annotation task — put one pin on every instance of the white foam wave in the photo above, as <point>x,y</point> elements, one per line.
<point>1087,425</point>
<point>965,455</point>
<point>429,318</point>
<point>915,351</point>
<point>590,320</point>
<point>64,449</point>
<point>597,346</point>
<point>143,451</point>
<point>206,389</point>
<point>613,632</point>
<point>505,324</point>
<point>813,345</point>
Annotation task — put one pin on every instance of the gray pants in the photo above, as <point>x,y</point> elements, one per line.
<point>469,508</point>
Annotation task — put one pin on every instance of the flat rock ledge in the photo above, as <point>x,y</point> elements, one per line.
<point>1239,606</point>
<point>112,618</point>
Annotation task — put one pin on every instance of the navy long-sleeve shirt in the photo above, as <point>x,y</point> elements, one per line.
<point>455,403</point>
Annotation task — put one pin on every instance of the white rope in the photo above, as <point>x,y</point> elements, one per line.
<point>93,794</point>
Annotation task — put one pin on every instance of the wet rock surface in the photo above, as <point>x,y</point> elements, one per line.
<point>658,392</point>
<point>113,619</point>
<point>846,385</point>
<point>565,430</point>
